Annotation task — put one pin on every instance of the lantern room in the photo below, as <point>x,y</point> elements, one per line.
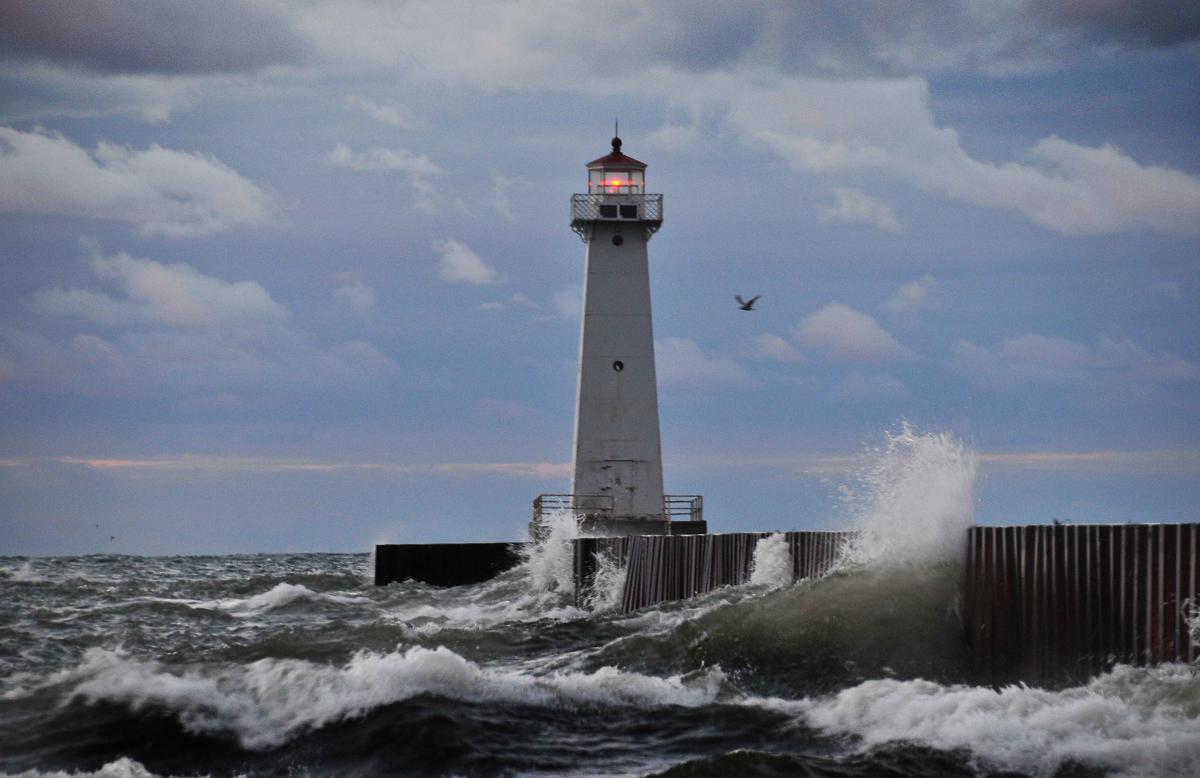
<point>616,173</point>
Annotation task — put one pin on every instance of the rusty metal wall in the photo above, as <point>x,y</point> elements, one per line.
<point>666,568</point>
<point>1053,603</point>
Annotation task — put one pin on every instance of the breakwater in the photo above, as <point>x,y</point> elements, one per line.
<point>1048,603</point>
<point>1041,604</point>
<point>444,564</point>
<point>665,568</point>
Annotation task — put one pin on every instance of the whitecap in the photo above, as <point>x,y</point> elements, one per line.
<point>119,768</point>
<point>1131,721</point>
<point>279,596</point>
<point>266,703</point>
<point>21,573</point>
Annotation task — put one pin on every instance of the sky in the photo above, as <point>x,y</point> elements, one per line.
<point>297,275</point>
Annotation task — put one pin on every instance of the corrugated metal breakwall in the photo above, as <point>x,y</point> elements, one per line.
<point>665,568</point>
<point>1053,603</point>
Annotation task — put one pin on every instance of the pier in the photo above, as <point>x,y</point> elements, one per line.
<point>1048,603</point>
<point>665,568</point>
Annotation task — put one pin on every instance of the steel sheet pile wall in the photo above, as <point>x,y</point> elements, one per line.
<point>1048,604</point>
<point>665,568</point>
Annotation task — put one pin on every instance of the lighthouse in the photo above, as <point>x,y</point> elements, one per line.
<point>616,470</point>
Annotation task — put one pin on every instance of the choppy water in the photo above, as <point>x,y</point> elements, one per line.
<point>297,665</point>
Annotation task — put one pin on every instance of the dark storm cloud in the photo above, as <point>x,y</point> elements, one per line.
<point>1136,22</point>
<point>880,37</point>
<point>137,36</point>
<point>698,38</point>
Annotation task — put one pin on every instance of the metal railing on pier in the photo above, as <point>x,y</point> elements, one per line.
<point>687,507</point>
<point>676,507</point>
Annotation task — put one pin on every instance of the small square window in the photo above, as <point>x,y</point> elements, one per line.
<point>608,211</point>
<point>628,211</point>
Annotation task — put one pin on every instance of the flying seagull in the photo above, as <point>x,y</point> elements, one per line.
<point>747,305</point>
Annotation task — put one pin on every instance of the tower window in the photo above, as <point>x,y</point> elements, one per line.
<point>618,365</point>
<point>618,240</point>
<point>628,211</point>
<point>608,211</point>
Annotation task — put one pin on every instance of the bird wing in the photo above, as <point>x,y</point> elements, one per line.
<point>738,297</point>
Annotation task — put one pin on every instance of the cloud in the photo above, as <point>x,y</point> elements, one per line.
<point>175,295</point>
<point>95,307</point>
<point>531,45</point>
<point>1110,191</point>
<point>354,301</point>
<point>1108,363</point>
<point>826,87</point>
<point>36,90</point>
<point>887,126</point>
<point>569,301</point>
<point>171,330</point>
<point>682,363</point>
<point>771,348</point>
<point>390,113</point>
<point>518,300</point>
<point>912,298</point>
<point>853,206</point>
<point>847,335</point>
<point>399,160</point>
<point>1132,22</point>
<point>160,191</point>
<point>501,199</point>
<point>192,464</point>
<point>418,170</point>
<point>458,264</point>
<point>107,36</point>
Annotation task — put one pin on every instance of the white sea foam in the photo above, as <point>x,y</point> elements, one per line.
<point>23,572</point>
<point>608,585</point>
<point>1132,721</point>
<point>1190,611</point>
<point>540,587</point>
<point>120,768</point>
<point>771,565</point>
<point>911,500</point>
<point>266,703</point>
<point>548,563</point>
<point>280,595</point>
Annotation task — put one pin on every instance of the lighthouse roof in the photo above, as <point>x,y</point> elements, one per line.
<point>616,159</point>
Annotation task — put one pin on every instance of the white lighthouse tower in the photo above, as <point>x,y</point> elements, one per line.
<point>616,473</point>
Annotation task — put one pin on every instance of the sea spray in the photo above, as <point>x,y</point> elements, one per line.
<point>269,702</point>
<point>1128,722</point>
<point>548,562</point>
<point>608,584</point>
<point>540,587</point>
<point>771,564</point>
<point>279,596</point>
<point>911,500</point>
<point>859,673</point>
<point>1190,611</point>
<point>118,768</point>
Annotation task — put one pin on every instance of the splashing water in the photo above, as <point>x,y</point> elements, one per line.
<point>771,565</point>
<point>608,585</point>
<point>911,500</point>
<point>1133,721</point>
<point>548,563</point>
